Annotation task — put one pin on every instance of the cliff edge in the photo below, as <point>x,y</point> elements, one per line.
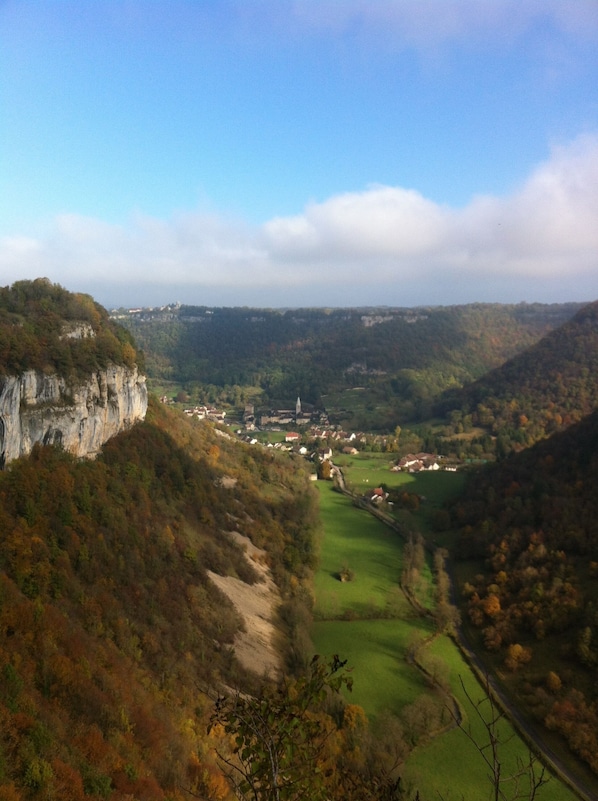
<point>68,374</point>
<point>35,407</point>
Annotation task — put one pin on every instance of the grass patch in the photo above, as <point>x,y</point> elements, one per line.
<point>367,621</point>
<point>269,436</point>
<point>436,766</point>
<point>375,650</point>
<point>364,471</point>
<point>355,539</point>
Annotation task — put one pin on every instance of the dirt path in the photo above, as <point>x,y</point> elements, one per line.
<point>255,648</point>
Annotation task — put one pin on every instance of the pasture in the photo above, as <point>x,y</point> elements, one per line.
<point>365,471</point>
<point>355,539</point>
<point>368,622</point>
<point>375,649</point>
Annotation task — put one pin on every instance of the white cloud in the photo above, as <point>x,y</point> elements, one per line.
<point>391,240</point>
<point>427,23</point>
<point>380,221</point>
<point>557,209</point>
<point>548,227</point>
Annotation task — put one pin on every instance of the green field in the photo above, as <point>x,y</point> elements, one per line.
<point>373,551</point>
<point>375,649</point>
<point>368,622</point>
<point>452,760</point>
<point>365,470</point>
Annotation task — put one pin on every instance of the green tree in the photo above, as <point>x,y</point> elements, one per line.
<point>285,743</point>
<point>278,737</point>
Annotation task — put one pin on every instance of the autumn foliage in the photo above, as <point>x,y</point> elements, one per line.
<point>542,390</point>
<point>529,527</point>
<point>38,320</point>
<point>110,630</point>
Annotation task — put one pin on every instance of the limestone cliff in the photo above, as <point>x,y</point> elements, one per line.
<point>35,407</point>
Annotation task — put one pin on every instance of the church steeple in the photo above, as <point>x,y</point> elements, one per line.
<point>298,407</point>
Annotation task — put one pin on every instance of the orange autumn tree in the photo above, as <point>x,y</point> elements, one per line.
<point>284,743</point>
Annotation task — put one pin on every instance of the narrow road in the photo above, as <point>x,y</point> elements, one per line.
<point>531,736</point>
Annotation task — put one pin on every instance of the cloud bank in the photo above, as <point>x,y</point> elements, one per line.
<point>382,245</point>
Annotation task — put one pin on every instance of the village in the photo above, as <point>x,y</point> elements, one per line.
<point>316,439</point>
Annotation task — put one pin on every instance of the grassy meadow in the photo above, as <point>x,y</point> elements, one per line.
<point>375,649</point>
<point>452,761</point>
<point>355,539</point>
<point>368,622</point>
<point>366,470</point>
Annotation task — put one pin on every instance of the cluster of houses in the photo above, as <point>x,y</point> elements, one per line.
<point>416,462</point>
<point>201,412</point>
<point>285,417</point>
<point>368,320</point>
<point>342,441</point>
<point>291,443</point>
<point>206,413</point>
<point>336,435</point>
<point>329,435</point>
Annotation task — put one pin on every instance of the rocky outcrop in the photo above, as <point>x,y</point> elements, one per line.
<point>35,407</point>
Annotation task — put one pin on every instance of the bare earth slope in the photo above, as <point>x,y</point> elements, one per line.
<point>255,647</point>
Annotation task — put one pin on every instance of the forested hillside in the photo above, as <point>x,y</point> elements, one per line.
<point>111,632</point>
<point>115,641</point>
<point>544,389</point>
<point>528,532</point>
<point>45,327</point>
<point>404,358</point>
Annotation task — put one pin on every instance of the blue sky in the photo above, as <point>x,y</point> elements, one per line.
<point>306,152</point>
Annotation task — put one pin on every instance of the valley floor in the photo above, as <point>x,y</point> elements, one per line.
<point>367,622</point>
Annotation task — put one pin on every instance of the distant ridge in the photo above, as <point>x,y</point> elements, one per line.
<point>403,358</point>
<point>544,389</point>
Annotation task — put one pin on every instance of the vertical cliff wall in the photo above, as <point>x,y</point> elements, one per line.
<point>35,407</point>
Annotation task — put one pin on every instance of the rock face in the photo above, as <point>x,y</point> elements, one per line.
<point>35,407</point>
